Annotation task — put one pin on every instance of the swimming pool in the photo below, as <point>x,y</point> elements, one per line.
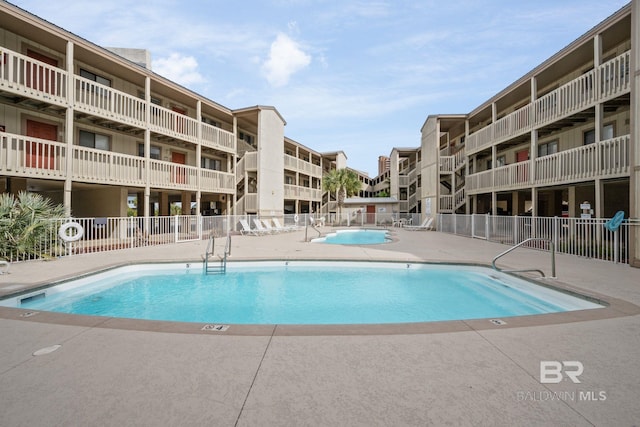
<point>301,292</point>
<point>355,237</point>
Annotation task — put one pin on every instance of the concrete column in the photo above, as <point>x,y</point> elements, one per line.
<point>185,199</point>
<point>147,149</point>
<point>163,203</point>
<point>199,156</point>
<point>634,145</point>
<point>69,129</point>
<point>573,206</point>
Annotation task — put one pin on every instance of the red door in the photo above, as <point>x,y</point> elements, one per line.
<point>38,77</point>
<point>180,174</point>
<point>371,214</point>
<point>522,156</point>
<point>38,154</point>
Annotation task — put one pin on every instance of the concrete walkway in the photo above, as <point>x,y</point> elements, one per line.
<point>465,373</point>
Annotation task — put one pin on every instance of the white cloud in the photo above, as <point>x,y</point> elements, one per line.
<point>179,68</point>
<point>285,59</point>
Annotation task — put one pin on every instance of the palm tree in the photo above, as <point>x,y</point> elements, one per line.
<point>344,182</point>
<point>26,224</point>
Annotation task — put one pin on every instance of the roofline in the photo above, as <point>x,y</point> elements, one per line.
<point>615,17</point>
<point>259,108</point>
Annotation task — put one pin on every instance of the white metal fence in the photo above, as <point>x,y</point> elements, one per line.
<point>574,236</point>
<point>72,236</point>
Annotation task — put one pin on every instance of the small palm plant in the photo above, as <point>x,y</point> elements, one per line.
<point>344,182</point>
<point>26,226</point>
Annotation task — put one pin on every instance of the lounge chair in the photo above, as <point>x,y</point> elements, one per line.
<point>259,227</point>
<point>278,226</point>
<point>426,225</point>
<point>246,229</point>
<point>267,226</point>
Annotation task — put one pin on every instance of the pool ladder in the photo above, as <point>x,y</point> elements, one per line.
<point>216,268</point>
<point>531,239</point>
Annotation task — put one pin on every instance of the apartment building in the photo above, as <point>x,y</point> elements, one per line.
<point>560,141</point>
<point>100,133</point>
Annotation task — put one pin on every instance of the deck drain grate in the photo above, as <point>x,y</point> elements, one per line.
<point>498,322</point>
<point>215,328</point>
<point>29,314</point>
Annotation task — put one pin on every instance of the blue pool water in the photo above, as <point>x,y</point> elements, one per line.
<point>302,293</point>
<point>355,237</point>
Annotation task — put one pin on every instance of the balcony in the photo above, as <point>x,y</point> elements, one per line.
<point>38,158</point>
<point>601,84</point>
<point>301,193</point>
<point>24,76</point>
<point>299,165</point>
<point>605,159</point>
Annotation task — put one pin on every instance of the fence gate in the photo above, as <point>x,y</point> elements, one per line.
<point>479,226</point>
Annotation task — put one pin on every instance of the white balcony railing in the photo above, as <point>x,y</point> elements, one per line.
<point>172,175</point>
<point>107,167</point>
<point>220,139</point>
<point>302,193</point>
<point>41,158</point>
<point>22,75</point>
<point>605,159</point>
<point>171,123</point>
<point>32,157</point>
<point>300,165</point>
<point>103,101</point>
<point>217,181</point>
<point>449,164</point>
<point>608,159</point>
<point>609,80</point>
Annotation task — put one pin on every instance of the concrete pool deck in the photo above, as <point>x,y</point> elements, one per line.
<point>461,373</point>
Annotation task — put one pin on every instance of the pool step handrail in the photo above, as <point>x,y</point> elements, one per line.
<point>311,223</point>
<point>222,266</point>
<point>531,239</point>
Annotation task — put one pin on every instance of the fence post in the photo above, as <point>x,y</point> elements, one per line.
<point>616,249</point>
<point>555,231</point>
<point>515,230</point>
<point>486,227</point>
<point>175,229</point>
<point>455,223</point>
<point>473,225</point>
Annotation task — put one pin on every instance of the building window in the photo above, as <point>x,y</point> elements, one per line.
<point>548,148</point>
<point>211,122</point>
<point>94,77</point>
<point>154,151</point>
<point>501,161</point>
<point>94,140</point>
<point>212,164</point>
<point>589,137</point>
<point>608,132</point>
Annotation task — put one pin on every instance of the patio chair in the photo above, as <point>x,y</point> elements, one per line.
<point>246,229</point>
<point>278,226</point>
<point>259,227</point>
<point>426,225</point>
<point>267,226</point>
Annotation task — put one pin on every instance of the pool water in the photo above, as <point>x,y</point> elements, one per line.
<point>303,293</point>
<point>355,237</point>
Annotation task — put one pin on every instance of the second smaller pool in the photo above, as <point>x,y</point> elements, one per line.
<point>355,237</point>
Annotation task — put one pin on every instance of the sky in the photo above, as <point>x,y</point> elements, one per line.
<point>352,75</point>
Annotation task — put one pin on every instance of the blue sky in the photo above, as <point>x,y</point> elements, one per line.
<point>352,75</point>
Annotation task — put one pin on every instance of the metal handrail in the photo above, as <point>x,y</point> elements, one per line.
<point>531,239</point>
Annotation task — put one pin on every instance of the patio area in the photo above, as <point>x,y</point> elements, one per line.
<point>121,372</point>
